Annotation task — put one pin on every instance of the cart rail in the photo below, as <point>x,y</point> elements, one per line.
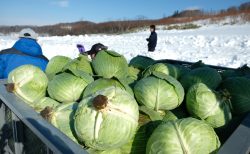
<point>54,139</point>
<point>239,141</point>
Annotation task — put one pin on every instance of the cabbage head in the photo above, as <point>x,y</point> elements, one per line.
<point>169,115</point>
<point>208,105</point>
<point>66,87</point>
<point>28,82</point>
<point>243,71</point>
<point>81,63</point>
<point>56,65</point>
<point>107,120</point>
<point>62,117</point>
<point>165,115</point>
<point>198,64</point>
<point>239,92</point>
<point>186,135</point>
<point>206,75</point>
<point>108,64</point>
<point>133,72</point>
<point>103,83</point>
<point>141,62</point>
<point>137,145</point>
<point>177,113</point>
<point>159,92</point>
<point>133,75</point>
<point>112,151</point>
<point>182,70</point>
<point>165,68</point>
<point>228,74</point>
<point>44,102</point>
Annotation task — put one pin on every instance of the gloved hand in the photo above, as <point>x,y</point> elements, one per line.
<point>80,48</point>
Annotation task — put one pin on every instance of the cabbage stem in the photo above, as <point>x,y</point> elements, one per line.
<point>100,102</point>
<point>10,87</point>
<point>46,113</point>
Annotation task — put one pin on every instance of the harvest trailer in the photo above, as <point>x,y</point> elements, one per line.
<point>16,116</point>
<point>18,121</point>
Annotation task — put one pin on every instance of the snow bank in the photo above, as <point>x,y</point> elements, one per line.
<point>227,45</point>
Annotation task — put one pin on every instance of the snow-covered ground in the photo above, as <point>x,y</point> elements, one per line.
<point>224,45</point>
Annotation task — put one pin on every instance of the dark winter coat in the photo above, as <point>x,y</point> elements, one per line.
<point>152,41</point>
<point>24,51</point>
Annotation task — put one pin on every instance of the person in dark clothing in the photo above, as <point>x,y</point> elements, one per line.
<point>25,51</point>
<point>93,51</point>
<point>152,40</point>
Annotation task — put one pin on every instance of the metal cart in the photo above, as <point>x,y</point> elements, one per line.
<point>16,117</point>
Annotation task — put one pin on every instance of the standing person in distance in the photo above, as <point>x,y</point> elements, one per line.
<point>152,40</point>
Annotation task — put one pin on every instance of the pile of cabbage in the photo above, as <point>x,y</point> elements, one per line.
<point>108,105</point>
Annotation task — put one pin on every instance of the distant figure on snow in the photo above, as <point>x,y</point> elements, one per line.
<point>93,51</point>
<point>152,40</point>
<point>25,51</point>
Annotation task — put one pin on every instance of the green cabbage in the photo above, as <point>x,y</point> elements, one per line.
<point>112,151</point>
<point>198,64</point>
<point>182,70</point>
<point>159,92</point>
<point>133,75</point>
<point>103,83</point>
<point>107,120</point>
<point>56,65</point>
<point>228,74</point>
<point>110,64</point>
<point>66,87</point>
<point>133,72</point>
<point>28,82</point>
<point>141,62</point>
<point>44,102</point>
<point>138,143</point>
<point>187,135</point>
<point>81,63</point>
<point>62,117</point>
<point>165,68</point>
<point>169,116</point>
<point>239,72</point>
<point>239,91</point>
<point>208,105</point>
<point>166,115</point>
<point>206,75</point>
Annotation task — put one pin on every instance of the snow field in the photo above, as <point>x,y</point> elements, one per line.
<point>223,45</point>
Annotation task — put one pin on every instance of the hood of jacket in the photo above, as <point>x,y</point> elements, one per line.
<point>28,46</point>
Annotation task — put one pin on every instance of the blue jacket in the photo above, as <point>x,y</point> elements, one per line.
<point>32,54</point>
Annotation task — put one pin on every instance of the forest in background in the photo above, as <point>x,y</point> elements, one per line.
<point>124,26</point>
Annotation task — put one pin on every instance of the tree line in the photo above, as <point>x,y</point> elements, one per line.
<point>123,26</point>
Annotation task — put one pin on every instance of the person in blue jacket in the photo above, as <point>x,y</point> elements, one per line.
<point>25,51</point>
<point>152,40</point>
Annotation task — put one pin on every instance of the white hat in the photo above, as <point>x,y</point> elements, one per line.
<point>28,33</point>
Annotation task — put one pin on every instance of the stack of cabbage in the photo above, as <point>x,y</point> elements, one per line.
<point>110,106</point>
